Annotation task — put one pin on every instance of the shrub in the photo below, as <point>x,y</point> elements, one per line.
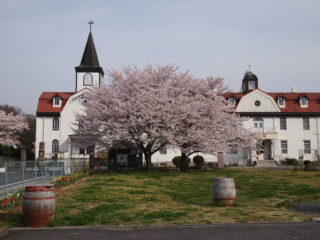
<point>198,160</point>
<point>290,162</point>
<point>177,161</point>
<point>306,162</point>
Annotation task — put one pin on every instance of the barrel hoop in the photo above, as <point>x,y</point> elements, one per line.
<point>39,190</point>
<point>38,198</point>
<point>225,198</point>
<point>41,215</point>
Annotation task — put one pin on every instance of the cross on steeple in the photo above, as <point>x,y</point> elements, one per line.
<point>90,23</point>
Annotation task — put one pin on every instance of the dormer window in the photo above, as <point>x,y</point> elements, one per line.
<point>232,101</point>
<point>303,102</point>
<point>281,102</point>
<point>56,101</point>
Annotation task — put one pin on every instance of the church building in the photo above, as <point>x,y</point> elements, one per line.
<point>56,110</point>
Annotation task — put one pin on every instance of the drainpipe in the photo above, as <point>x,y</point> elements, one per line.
<point>317,134</point>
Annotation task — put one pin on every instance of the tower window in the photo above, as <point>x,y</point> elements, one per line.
<point>251,85</point>
<point>55,124</point>
<point>55,145</point>
<point>88,79</point>
<point>281,102</point>
<point>56,102</point>
<point>303,102</point>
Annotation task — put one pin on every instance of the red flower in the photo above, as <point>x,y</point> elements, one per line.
<point>4,202</point>
<point>13,200</point>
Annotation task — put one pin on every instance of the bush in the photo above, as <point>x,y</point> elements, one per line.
<point>306,162</point>
<point>177,161</point>
<point>290,162</point>
<point>198,160</point>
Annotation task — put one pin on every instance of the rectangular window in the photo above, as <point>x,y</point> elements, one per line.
<point>56,102</point>
<point>307,146</point>
<point>284,146</point>
<point>233,150</point>
<point>163,151</point>
<point>283,123</point>
<point>306,123</point>
<point>251,85</point>
<point>82,151</point>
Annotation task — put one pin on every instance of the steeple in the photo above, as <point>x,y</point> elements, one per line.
<point>89,61</point>
<point>89,73</point>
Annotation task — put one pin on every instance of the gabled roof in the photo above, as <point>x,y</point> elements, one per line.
<point>292,104</point>
<point>45,103</point>
<point>89,61</point>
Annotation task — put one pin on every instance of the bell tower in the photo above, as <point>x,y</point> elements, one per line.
<point>249,82</point>
<point>89,73</point>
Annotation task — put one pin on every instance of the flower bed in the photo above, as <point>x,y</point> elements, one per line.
<point>11,200</point>
<point>15,198</point>
<point>66,180</point>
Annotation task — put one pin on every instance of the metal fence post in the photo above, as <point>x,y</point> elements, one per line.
<point>22,168</point>
<point>5,167</point>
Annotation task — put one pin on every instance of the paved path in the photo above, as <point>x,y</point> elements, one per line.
<point>311,208</point>
<point>280,231</point>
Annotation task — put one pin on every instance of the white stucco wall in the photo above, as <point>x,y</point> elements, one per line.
<point>247,103</point>
<point>44,133</point>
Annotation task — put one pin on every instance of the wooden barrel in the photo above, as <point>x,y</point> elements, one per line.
<point>39,205</point>
<point>224,191</point>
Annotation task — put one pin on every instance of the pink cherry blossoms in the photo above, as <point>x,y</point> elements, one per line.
<point>10,126</point>
<point>159,106</point>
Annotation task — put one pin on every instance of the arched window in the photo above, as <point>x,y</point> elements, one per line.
<point>88,79</point>
<point>55,145</point>
<point>281,102</point>
<point>258,123</point>
<point>55,124</point>
<point>304,102</point>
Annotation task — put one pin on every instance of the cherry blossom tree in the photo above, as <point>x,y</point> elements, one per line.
<point>133,107</point>
<point>11,125</point>
<point>159,106</point>
<point>203,121</point>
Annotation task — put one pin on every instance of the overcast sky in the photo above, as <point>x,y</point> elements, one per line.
<point>42,41</point>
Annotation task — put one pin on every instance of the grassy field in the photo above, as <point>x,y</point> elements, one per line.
<point>139,198</point>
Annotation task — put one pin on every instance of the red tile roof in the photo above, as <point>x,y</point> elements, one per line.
<point>292,103</point>
<point>45,104</point>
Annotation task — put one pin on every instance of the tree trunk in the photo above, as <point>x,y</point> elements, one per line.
<point>147,156</point>
<point>183,165</point>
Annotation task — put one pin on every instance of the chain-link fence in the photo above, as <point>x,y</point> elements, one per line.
<point>14,175</point>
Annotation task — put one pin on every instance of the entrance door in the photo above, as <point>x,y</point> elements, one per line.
<point>267,149</point>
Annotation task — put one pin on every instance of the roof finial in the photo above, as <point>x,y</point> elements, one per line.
<point>249,66</point>
<point>90,23</point>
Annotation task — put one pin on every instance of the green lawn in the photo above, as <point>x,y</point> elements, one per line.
<point>143,198</point>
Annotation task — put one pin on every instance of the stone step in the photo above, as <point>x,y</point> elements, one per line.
<point>267,163</point>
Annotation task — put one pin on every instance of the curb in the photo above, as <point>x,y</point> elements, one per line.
<point>3,231</point>
<point>136,227</point>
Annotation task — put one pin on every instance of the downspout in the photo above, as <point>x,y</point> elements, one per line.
<point>317,134</point>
